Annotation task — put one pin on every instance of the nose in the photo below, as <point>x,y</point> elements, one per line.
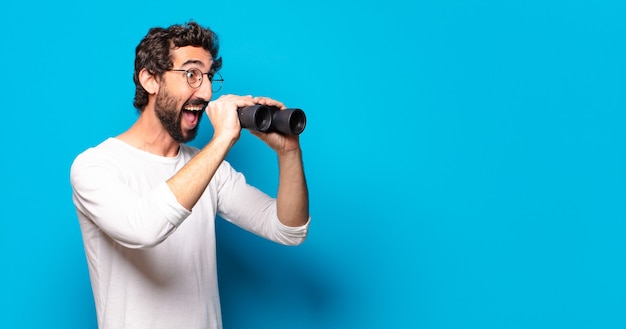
<point>205,90</point>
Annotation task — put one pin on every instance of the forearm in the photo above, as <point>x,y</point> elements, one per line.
<point>292,200</point>
<point>190,182</point>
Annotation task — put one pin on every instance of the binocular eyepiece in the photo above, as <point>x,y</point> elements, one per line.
<point>270,118</point>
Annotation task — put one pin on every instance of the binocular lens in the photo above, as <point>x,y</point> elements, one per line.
<point>256,117</point>
<point>289,121</point>
<point>270,118</point>
<point>297,122</point>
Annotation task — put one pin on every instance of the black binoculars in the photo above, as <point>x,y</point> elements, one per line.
<point>270,118</point>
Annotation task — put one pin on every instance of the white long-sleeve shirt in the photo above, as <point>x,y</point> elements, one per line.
<point>152,263</point>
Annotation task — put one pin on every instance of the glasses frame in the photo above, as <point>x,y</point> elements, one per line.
<point>213,77</point>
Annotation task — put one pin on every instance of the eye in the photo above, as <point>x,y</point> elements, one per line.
<point>194,75</point>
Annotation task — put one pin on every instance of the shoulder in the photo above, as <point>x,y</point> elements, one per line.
<point>108,150</point>
<point>112,156</point>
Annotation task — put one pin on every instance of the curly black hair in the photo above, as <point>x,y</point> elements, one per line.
<point>153,52</point>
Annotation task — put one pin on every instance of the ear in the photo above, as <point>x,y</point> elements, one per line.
<point>148,81</point>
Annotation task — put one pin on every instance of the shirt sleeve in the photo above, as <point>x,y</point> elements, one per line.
<point>251,209</point>
<point>132,218</point>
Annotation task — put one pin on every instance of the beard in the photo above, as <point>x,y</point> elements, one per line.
<point>171,116</point>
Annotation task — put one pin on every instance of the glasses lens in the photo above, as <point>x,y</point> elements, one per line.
<point>194,78</point>
<point>216,82</point>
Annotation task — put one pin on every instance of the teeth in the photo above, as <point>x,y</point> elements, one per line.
<point>195,109</point>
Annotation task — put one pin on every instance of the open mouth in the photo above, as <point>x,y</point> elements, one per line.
<point>192,112</point>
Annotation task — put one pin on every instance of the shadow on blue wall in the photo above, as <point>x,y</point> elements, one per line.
<point>260,280</point>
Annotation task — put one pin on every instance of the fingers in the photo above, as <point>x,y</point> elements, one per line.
<point>268,102</point>
<point>232,101</point>
<point>241,101</point>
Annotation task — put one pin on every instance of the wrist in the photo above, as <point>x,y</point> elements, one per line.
<point>295,153</point>
<point>226,135</point>
<point>223,141</point>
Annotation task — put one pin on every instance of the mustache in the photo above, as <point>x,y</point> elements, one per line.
<point>196,102</point>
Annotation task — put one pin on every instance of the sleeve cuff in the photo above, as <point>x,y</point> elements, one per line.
<point>173,211</point>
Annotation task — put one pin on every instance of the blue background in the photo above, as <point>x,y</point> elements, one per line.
<point>466,159</point>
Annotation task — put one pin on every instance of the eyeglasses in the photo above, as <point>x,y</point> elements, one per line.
<point>194,78</point>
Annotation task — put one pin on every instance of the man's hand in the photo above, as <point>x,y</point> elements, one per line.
<point>223,115</point>
<point>278,142</point>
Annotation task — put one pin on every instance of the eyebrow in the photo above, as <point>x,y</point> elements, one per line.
<point>195,62</point>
